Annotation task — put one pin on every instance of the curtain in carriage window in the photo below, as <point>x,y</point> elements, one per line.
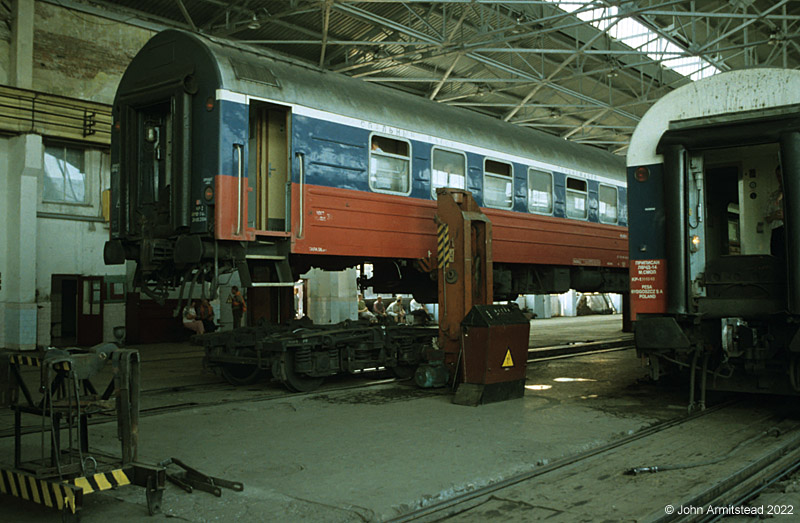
<point>389,165</point>
<point>498,184</point>
<point>607,196</point>
<point>449,169</point>
<point>540,191</point>
<point>576,198</point>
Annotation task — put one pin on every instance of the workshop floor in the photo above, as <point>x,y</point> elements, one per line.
<point>370,454</point>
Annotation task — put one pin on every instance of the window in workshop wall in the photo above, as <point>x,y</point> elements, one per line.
<point>389,161</point>
<point>498,184</point>
<point>607,196</point>
<point>540,191</point>
<point>576,198</point>
<point>449,169</point>
<point>64,175</point>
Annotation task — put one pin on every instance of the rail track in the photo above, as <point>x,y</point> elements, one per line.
<point>659,474</point>
<point>221,387</point>
<point>571,350</point>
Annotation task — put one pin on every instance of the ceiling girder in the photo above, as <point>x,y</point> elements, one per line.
<point>526,61</point>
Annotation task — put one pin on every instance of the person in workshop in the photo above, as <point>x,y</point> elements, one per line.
<point>206,314</point>
<point>379,308</point>
<point>238,306</point>
<point>397,311</point>
<point>418,313</point>
<point>191,320</point>
<point>363,311</point>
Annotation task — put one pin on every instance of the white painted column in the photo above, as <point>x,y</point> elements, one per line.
<point>21,71</point>
<point>18,293</point>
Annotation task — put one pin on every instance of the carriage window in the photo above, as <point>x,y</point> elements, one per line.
<point>64,175</point>
<point>449,170</point>
<point>498,184</point>
<point>576,198</point>
<point>540,192</point>
<point>389,161</point>
<point>608,204</point>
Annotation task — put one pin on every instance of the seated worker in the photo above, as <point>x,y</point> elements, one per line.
<point>379,308</point>
<point>419,315</point>
<point>190,320</point>
<point>205,313</point>
<point>363,311</point>
<point>397,311</point>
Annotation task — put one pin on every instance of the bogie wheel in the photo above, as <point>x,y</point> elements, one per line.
<point>239,374</point>
<point>296,382</point>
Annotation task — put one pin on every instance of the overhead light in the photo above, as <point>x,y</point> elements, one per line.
<point>254,23</point>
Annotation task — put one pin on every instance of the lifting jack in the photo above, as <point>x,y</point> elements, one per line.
<point>485,345</point>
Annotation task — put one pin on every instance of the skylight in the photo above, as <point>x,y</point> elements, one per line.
<point>638,36</point>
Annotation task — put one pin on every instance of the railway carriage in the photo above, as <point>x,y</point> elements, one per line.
<point>226,157</point>
<point>713,177</point>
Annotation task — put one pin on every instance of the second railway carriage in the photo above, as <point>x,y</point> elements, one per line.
<point>713,177</point>
<point>226,157</point>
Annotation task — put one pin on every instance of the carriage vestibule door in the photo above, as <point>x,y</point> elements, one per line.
<point>268,171</point>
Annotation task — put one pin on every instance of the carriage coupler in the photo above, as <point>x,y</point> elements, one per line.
<point>192,479</point>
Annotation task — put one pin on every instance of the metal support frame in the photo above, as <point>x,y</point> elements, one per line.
<point>61,478</point>
<point>519,47</point>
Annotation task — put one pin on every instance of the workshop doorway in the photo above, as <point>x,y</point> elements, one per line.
<point>76,310</point>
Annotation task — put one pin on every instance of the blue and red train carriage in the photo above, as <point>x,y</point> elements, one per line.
<point>227,157</point>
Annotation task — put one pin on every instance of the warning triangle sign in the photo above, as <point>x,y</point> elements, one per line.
<point>508,361</point>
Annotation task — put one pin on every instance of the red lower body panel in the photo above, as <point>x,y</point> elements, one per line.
<point>230,209</point>
<point>648,286</point>
<point>343,222</point>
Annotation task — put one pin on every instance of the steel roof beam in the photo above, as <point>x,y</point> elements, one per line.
<point>186,15</point>
<point>478,57</point>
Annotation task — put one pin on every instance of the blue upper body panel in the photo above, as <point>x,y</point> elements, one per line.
<point>646,231</point>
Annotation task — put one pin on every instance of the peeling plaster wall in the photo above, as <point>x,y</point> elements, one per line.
<point>5,59</point>
<point>5,46</point>
<point>80,55</point>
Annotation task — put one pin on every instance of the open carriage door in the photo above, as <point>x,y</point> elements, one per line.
<point>269,153</point>
<point>790,161</point>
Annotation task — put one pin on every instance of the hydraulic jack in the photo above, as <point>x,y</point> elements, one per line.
<point>485,345</point>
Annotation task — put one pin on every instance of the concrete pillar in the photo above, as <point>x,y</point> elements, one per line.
<point>18,267</point>
<point>21,71</point>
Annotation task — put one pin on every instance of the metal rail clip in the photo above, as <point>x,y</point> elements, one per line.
<point>194,479</point>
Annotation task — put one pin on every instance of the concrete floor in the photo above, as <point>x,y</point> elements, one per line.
<point>366,454</point>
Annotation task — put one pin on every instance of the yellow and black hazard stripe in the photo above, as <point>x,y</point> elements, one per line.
<point>33,361</point>
<point>424,265</point>
<point>28,361</point>
<point>49,493</point>
<point>443,246</point>
<point>102,481</point>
